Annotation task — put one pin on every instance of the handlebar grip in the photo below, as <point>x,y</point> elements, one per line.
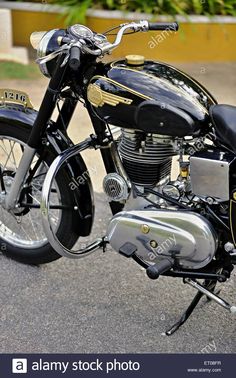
<point>171,26</point>
<point>74,61</point>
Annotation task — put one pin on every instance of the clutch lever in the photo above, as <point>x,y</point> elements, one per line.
<point>54,54</point>
<point>66,48</point>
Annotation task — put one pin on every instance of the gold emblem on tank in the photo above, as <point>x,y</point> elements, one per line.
<point>97,97</point>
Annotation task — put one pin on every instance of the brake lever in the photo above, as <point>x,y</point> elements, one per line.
<point>54,54</point>
<point>65,60</point>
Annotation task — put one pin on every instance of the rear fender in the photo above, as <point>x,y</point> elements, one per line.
<point>57,142</point>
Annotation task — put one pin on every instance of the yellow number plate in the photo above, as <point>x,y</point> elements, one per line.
<point>17,97</point>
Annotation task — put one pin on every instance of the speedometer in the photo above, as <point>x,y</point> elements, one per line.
<point>80,31</point>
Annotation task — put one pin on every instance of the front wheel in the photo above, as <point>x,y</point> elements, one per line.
<point>21,231</point>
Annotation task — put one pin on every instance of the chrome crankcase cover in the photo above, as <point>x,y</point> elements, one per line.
<point>186,237</point>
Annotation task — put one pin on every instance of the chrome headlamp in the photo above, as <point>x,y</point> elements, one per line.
<point>46,43</point>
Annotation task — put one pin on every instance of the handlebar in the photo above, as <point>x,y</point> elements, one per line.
<point>73,48</point>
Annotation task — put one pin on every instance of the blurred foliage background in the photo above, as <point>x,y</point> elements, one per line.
<point>11,70</point>
<point>77,8</point>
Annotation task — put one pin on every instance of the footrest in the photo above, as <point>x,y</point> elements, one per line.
<point>159,268</point>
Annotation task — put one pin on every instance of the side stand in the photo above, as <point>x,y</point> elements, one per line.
<point>206,289</point>
<point>208,285</point>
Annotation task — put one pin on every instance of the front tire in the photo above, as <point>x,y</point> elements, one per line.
<point>27,246</point>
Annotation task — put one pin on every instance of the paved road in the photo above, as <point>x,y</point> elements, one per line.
<point>105,303</point>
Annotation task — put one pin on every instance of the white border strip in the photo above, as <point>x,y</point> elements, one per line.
<point>35,7</point>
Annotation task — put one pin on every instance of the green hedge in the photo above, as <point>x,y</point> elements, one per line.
<point>77,8</point>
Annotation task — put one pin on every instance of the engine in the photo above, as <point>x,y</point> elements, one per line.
<point>155,227</point>
<point>207,175</point>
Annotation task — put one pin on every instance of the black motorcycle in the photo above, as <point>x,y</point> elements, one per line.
<point>144,114</point>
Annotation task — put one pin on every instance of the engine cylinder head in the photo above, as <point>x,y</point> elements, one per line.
<point>146,157</point>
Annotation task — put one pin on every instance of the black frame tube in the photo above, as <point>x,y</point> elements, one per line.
<point>99,127</point>
<point>66,113</point>
<point>48,105</point>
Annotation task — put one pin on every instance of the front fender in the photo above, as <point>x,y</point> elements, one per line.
<point>57,142</point>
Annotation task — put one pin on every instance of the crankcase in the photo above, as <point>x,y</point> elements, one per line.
<point>187,238</point>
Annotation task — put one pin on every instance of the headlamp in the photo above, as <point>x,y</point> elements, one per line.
<point>45,43</point>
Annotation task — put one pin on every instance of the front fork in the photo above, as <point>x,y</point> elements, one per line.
<point>35,139</point>
<point>12,197</point>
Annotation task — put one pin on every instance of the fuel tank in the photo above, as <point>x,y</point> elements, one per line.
<point>150,96</point>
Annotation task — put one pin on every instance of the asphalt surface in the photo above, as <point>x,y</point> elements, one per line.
<point>105,303</point>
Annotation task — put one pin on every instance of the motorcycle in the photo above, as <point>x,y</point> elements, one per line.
<point>144,114</point>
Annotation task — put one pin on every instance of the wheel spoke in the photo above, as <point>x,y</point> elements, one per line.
<point>9,156</point>
<point>23,226</point>
<point>12,153</point>
<point>33,227</point>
